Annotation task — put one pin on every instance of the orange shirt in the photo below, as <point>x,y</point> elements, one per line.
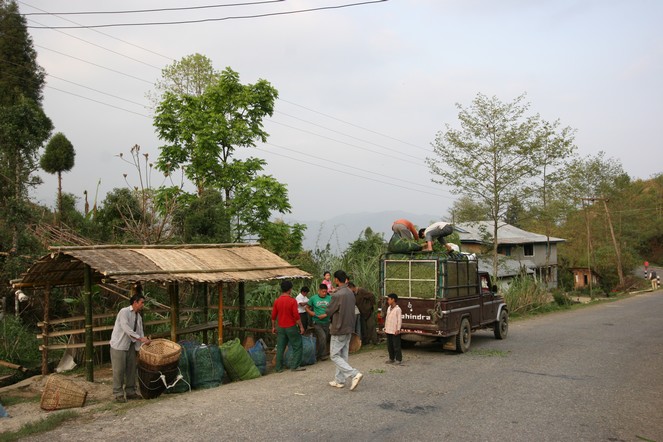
<point>409,226</point>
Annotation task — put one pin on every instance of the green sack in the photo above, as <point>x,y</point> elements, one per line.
<point>206,367</point>
<point>237,362</point>
<point>400,245</point>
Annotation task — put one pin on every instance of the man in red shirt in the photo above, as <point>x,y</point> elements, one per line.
<point>404,229</point>
<point>288,327</point>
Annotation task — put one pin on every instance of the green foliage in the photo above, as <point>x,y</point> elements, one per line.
<point>283,239</point>
<point>465,210</point>
<point>59,155</point>
<point>118,205</point>
<point>202,220</point>
<point>562,299</point>
<point>361,259</point>
<point>18,344</point>
<point>524,295</point>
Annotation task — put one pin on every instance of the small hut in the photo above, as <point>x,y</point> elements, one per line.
<point>584,277</point>
<point>128,265</point>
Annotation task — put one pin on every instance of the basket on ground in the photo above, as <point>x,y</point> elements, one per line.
<point>160,353</point>
<point>60,393</point>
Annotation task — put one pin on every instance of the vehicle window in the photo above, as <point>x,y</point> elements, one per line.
<point>411,279</point>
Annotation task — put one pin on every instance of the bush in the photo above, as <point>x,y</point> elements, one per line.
<point>18,344</point>
<point>524,295</point>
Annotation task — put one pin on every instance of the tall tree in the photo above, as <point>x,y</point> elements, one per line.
<point>202,133</point>
<point>491,157</point>
<point>465,210</point>
<point>57,158</point>
<point>549,203</point>
<point>23,124</point>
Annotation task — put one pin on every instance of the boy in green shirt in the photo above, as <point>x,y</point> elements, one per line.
<point>317,310</point>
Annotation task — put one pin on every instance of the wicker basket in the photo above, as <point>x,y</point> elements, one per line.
<point>159,353</point>
<point>60,393</point>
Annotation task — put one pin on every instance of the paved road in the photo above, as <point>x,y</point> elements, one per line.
<point>594,374</point>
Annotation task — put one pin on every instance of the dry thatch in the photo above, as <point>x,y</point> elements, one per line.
<point>129,264</point>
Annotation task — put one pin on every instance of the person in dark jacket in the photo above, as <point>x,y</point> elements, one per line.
<point>341,310</point>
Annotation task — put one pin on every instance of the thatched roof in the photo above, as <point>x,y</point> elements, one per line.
<point>130,264</point>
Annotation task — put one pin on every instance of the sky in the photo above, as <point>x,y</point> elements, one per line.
<point>363,90</point>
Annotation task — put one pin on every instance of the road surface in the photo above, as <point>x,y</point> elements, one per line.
<point>593,374</point>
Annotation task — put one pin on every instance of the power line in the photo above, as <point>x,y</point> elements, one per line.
<point>102,33</point>
<point>205,20</point>
<point>354,125</point>
<point>353,174</point>
<point>343,142</point>
<point>363,170</point>
<point>344,134</point>
<point>140,11</point>
<point>97,101</point>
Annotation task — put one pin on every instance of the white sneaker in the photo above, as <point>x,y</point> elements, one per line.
<point>336,384</point>
<point>356,380</point>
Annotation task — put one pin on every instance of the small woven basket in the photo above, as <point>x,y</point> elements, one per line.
<point>159,353</point>
<point>60,393</point>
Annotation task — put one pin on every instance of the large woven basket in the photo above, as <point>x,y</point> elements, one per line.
<point>159,353</point>
<point>60,393</point>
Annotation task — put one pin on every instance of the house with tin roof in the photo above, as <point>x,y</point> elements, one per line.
<point>520,251</point>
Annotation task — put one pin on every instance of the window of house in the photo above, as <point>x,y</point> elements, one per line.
<point>528,249</point>
<point>504,250</point>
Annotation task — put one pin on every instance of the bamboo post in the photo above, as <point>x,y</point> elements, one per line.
<point>44,331</point>
<point>220,313</point>
<point>242,311</point>
<point>173,290</point>
<point>205,291</point>
<point>89,339</point>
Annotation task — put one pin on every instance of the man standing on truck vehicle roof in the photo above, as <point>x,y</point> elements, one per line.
<point>341,310</point>
<point>436,231</point>
<point>404,229</point>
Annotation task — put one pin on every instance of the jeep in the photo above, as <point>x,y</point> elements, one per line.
<point>443,298</point>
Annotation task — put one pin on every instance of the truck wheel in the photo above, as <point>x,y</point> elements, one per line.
<point>501,327</point>
<point>464,336</point>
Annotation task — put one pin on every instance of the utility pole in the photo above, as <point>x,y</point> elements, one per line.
<point>620,271</point>
<point>589,246</point>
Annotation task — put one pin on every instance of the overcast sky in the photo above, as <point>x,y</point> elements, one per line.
<point>362,90</point>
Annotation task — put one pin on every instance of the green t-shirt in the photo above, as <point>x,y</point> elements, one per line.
<point>319,306</point>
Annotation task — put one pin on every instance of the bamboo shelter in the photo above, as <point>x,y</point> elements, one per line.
<point>125,265</point>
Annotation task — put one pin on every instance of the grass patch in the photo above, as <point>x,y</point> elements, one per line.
<point>50,423</point>
<point>377,370</point>
<point>489,352</point>
<point>8,401</point>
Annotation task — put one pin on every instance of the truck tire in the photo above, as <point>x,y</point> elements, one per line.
<point>464,336</point>
<point>501,327</point>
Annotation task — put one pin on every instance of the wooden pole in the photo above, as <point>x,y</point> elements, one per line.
<point>173,290</point>
<point>44,330</point>
<point>220,313</point>
<point>242,310</point>
<point>89,339</point>
<point>620,271</point>
<point>205,292</point>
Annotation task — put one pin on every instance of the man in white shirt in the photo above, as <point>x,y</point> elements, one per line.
<point>302,302</point>
<point>436,231</point>
<point>126,340</point>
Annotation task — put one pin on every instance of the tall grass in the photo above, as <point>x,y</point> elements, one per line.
<point>524,295</point>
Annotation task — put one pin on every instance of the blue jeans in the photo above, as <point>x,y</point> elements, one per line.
<point>340,346</point>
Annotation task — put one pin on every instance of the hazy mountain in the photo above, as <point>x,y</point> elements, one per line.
<point>340,230</point>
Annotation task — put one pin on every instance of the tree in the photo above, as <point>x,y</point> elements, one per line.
<point>189,76</point>
<point>465,210</point>
<point>23,124</point>
<point>491,157</point>
<point>202,133</point>
<point>58,157</point>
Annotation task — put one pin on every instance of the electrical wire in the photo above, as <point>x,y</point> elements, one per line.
<point>206,20</point>
<point>140,11</point>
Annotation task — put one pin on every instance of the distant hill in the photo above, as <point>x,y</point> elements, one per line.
<point>341,230</point>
